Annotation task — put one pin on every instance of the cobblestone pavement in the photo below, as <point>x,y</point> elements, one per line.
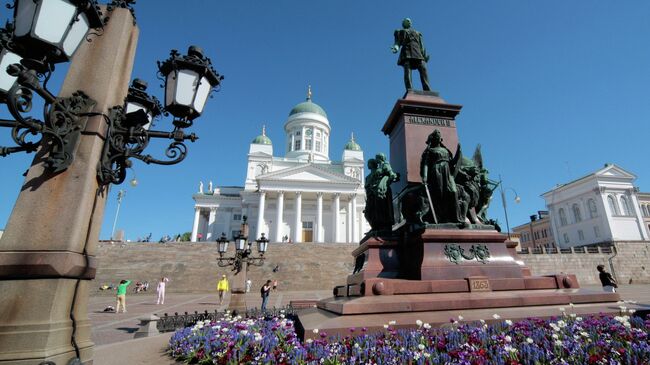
<point>113,333</point>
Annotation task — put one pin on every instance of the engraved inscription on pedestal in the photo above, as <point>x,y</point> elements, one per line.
<point>479,283</point>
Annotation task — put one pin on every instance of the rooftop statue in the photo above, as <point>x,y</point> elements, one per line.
<point>412,54</point>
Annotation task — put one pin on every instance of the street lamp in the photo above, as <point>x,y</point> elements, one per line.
<point>189,80</point>
<point>243,252</point>
<point>503,201</point>
<point>120,196</point>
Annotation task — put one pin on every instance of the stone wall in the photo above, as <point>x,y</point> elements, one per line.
<point>192,267</point>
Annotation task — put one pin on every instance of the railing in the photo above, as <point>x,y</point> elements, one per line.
<point>573,250</point>
<point>168,323</point>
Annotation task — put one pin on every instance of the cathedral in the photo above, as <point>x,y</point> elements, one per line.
<point>302,196</point>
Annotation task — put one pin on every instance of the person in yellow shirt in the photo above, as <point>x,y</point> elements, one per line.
<point>222,288</point>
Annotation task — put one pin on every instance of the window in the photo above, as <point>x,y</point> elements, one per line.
<point>307,225</point>
<point>317,146</point>
<point>612,205</point>
<point>577,217</point>
<point>562,217</point>
<point>625,206</point>
<point>236,217</point>
<point>581,235</point>
<point>566,238</point>
<point>317,134</point>
<point>593,211</point>
<point>645,210</point>
<point>297,133</point>
<point>289,146</point>
<point>596,231</point>
<point>308,144</point>
<point>296,145</point>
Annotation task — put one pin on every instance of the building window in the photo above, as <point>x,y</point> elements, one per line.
<point>307,225</point>
<point>236,217</point>
<point>289,146</point>
<point>625,206</point>
<point>577,217</point>
<point>297,133</point>
<point>593,211</point>
<point>308,144</point>
<point>581,235</point>
<point>566,238</point>
<point>317,146</point>
<point>596,231</point>
<point>562,217</point>
<point>612,205</point>
<point>296,145</point>
<point>645,210</point>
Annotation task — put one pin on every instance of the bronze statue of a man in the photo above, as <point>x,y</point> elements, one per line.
<point>412,54</point>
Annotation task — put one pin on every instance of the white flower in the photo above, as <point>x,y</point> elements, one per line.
<point>309,340</point>
<point>496,316</point>
<point>315,330</point>
<point>529,340</point>
<point>508,322</point>
<point>555,336</point>
<point>558,343</point>
<point>385,326</point>
<point>356,345</point>
<point>427,326</point>
<point>258,336</point>
<point>482,321</point>
<point>421,347</point>
<point>572,315</point>
<point>392,323</point>
<point>508,339</point>
<point>224,330</point>
<point>460,318</point>
<point>427,355</point>
<point>571,305</point>
<point>402,349</point>
<point>562,309</point>
<point>578,319</point>
<point>631,311</point>
<point>419,323</point>
<point>243,332</point>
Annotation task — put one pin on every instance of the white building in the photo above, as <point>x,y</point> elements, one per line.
<point>600,207</point>
<point>302,196</point>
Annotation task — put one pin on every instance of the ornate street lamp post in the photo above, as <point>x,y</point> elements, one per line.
<point>243,252</point>
<point>503,201</point>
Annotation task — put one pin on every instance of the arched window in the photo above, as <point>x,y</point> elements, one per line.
<point>562,217</point>
<point>645,210</point>
<point>612,205</point>
<point>593,211</point>
<point>625,206</point>
<point>577,217</point>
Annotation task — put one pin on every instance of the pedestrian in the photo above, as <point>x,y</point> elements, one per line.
<point>608,281</point>
<point>161,290</point>
<point>249,283</point>
<point>222,288</point>
<point>121,296</point>
<point>265,291</point>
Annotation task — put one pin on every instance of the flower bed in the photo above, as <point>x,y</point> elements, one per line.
<point>567,339</point>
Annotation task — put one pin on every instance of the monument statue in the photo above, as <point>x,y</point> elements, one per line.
<point>438,169</point>
<point>379,197</point>
<point>412,54</point>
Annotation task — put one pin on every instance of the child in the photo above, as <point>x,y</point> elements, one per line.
<point>161,290</point>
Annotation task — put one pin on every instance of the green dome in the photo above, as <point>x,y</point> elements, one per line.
<point>262,138</point>
<point>352,145</point>
<point>308,107</point>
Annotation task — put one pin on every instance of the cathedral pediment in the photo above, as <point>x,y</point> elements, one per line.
<point>611,170</point>
<point>308,173</point>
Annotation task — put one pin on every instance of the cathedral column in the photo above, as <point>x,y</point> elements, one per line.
<point>348,221</point>
<point>195,226</point>
<point>319,217</point>
<point>278,218</point>
<point>260,215</point>
<point>297,226</point>
<point>354,227</point>
<point>336,207</point>
<point>211,219</point>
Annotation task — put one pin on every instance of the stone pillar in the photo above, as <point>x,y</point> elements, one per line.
<point>209,235</point>
<point>348,221</point>
<point>195,226</point>
<point>297,224</point>
<point>336,208</point>
<point>319,217</point>
<point>260,215</point>
<point>278,217</point>
<point>355,228</point>
<point>47,250</point>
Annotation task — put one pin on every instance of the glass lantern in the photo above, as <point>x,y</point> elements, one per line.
<point>52,30</point>
<point>222,243</point>
<point>188,82</point>
<point>262,244</point>
<point>137,99</point>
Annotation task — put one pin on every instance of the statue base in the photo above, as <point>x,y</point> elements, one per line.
<point>439,274</point>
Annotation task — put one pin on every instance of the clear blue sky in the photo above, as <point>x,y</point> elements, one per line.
<point>552,90</point>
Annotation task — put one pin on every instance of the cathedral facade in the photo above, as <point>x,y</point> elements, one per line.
<point>302,196</point>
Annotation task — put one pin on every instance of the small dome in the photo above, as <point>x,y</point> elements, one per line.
<point>352,145</point>
<point>262,138</point>
<point>308,106</point>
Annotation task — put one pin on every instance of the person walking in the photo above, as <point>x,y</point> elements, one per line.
<point>161,290</point>
<point>265,291</point>
<point>121,296</point>
<point>608,281</point>
<point>222,288</point>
